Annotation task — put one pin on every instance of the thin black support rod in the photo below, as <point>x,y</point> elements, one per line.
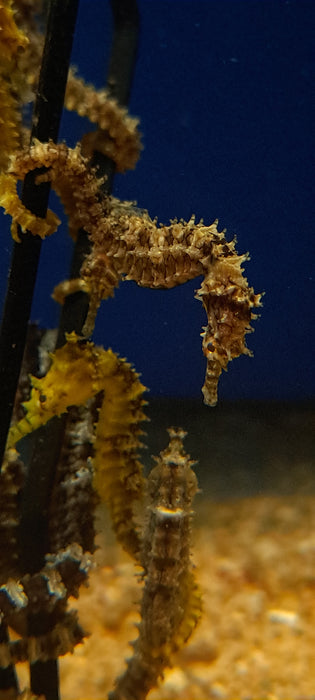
<point>44,676</point>
<point>121,68</point>
<point>8,679</point>
<point>73,315</point>
<point>36,494</point>
<point>34,536</point>
<point>22,277</point>
<point>35,504</point>
<point>124,49</point>
<point>34,533</point>
<point>45,679</point>
<point>25,258</point>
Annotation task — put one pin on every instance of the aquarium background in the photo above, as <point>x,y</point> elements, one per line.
<point>223,92</point>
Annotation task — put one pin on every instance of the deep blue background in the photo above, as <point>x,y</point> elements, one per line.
<point>223,91</point>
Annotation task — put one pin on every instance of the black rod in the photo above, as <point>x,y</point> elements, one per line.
<point>22,277</point>
<point>25,258</point>
<point>121,68</point>
<point>124,49</point>
<point>74,311</point>
<point>45,679</point>
<point>44,676</point>
<point>36,493</point>
<point>35,500</point>
<point>8,679</point>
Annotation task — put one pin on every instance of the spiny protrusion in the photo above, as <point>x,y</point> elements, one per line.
<point>171,605</point>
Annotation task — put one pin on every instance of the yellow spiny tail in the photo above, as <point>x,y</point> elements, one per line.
<point>117,470</point>
<point>10,201</point>
<point>9,123</point>
<point>71,380</point>
<point>11,41</point>
<point>191,602</point>
<point>77,373</point>
<point>11,38</point>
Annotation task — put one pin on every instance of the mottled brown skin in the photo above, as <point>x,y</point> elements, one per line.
<point>128,244</point>
<point>171,603</point>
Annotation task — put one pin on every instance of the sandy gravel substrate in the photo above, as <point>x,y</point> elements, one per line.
<point>255,561</point>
